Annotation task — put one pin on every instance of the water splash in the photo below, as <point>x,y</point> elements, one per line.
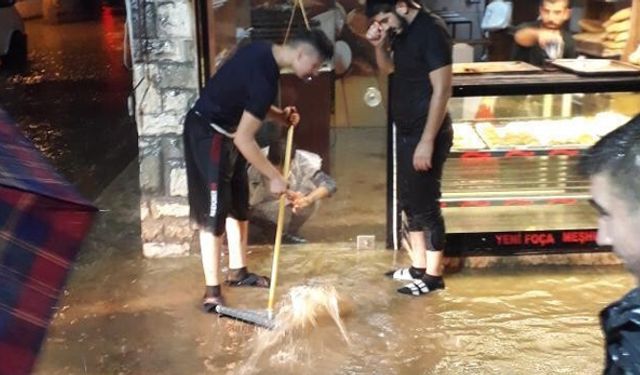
<point>290,342</point>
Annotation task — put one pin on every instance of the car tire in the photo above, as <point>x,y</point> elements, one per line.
<point>17,55</point>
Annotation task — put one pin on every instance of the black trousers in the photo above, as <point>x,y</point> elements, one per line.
<point>419,191</point>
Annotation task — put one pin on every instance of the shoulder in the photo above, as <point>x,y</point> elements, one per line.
<point>431,25</point>
<point>254,50</point>
<point>429,20</point>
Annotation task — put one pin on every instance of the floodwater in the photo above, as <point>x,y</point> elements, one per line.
<point>122,314</point>
<point>71,99</point>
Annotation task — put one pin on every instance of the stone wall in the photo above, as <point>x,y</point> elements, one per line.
<point>166,77</point>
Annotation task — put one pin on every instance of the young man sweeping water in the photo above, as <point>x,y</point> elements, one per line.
<point>419,91</point>
<point>219,139</point>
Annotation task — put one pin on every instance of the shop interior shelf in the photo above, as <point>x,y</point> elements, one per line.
<point>513,181</point>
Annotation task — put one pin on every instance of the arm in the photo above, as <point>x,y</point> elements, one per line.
<point>246,143</point>
<point>531,36</point>
<point>526,37</point>
<point>325,187</point>
<point>299,202</point>
<point>383,59</point>
<point>441,83</point>
<point>377,36</point>
<point>283,116</point>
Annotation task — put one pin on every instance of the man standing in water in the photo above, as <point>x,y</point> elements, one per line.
<point>415,45</point>
<point>613,166</point>
<point>219,139</point>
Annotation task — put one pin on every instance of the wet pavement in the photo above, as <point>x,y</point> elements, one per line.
<point>123,314</point>
<point>70,100</point>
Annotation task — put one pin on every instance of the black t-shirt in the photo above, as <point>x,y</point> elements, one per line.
<point>248,81</point>
<point>535,55</point>
<point>422,48</point>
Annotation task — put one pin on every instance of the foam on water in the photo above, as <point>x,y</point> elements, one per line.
<point>290,342</point>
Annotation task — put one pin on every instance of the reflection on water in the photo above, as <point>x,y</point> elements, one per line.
<point>71,99</point>
<point>137,316</point>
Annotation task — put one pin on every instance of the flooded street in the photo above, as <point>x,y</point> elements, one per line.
<point>70,101</point>
<point>123,314</point>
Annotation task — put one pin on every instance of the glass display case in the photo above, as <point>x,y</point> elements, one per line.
<point>513,168</point>
<point>511,184</point>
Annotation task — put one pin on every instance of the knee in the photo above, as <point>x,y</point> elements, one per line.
<point>432,226</point>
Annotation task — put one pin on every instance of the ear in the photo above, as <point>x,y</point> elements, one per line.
<point>402,8</point>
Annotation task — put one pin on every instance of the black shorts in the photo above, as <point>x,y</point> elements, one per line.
<point>419,191</point>
<point>216,175</point>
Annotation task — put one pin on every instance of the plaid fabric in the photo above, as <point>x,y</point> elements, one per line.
<point>43,221</point>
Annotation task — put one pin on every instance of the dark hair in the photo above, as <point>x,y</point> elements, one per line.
<point>566,2</point>
<point>277,149</point>
<point>375,7</point>
<point>317,39</point>
<point>617,154</point>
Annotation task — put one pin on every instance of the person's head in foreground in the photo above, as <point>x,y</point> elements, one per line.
<point>311,48</point>
<point>554,13</point>
<point>613,167</point>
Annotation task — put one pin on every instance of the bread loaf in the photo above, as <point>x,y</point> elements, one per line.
<point>614,45</point>
<point>619,27</point>
<point>619,16</point>
<point>590,37</point>
<point>618,37</point>
<point>591,26</point>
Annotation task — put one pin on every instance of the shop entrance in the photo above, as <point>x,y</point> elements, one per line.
<point>337,124</point>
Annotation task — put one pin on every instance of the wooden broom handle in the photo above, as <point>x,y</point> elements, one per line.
<point>280,225</point>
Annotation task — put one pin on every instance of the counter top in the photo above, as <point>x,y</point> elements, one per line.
<point>540,83</point>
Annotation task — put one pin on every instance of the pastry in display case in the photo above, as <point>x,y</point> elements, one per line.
<point>577,132</point>
<point>466,138</point>
<point>512,182</point>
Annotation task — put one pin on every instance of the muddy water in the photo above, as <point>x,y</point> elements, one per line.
<point>122,314</point>
<point>71,99</point>
<point>125,315</point>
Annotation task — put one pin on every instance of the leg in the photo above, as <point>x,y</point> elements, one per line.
<point>203,153</point>
<point>238,229</point>
<point>237,232</point>
<point>426,224</point>
<point>210,248</point>
<point>297,220</point>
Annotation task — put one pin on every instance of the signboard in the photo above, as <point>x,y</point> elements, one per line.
<point>523,242</point>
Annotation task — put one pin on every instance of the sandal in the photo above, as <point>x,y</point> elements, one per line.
<point>250,280</point>
<point>419,288</point>
<point>209,303</point>
<point>402,274</point>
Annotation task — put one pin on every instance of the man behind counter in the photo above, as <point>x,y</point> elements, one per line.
<point>545,38</point>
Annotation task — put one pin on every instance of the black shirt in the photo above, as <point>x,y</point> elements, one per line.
<point>535,55</point>
<point>248,81</point>
<point>620,323</point>
<point>423,47</point>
